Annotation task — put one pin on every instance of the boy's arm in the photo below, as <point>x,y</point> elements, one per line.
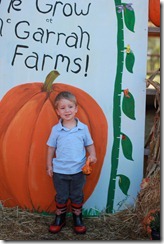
<point>50,155</point>
<point>92,153</point>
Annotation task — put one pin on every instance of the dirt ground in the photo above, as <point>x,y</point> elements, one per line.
<point>19,225</point>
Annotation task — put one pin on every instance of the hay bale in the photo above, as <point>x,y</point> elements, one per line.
<point>153,141</point>
<point>149,196</point>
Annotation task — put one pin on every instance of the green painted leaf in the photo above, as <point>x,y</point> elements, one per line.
<point>128,106</point>
<point>129,17</point>
<point>124,183</point>
<point>129,61</point>
<point>127,147</point>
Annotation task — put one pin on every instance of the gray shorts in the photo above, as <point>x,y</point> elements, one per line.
<point>69,187</point>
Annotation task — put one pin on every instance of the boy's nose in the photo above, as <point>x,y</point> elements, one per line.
<point>66,109</point>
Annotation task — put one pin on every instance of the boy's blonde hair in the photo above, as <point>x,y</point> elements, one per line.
<point>65,95</point>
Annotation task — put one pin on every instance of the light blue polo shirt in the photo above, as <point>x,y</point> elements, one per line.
<point>70,147</point>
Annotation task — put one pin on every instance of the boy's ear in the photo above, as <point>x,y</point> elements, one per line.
<point>57,111</point>
<point>76,108</point>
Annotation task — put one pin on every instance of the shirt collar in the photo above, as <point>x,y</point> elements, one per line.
<point>79,126</point>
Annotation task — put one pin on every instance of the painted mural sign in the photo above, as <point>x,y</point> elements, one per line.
<point>95,49</point>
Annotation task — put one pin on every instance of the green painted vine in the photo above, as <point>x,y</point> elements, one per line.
<point>125,57</point>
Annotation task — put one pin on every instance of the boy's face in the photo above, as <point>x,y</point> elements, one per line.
<point>66,109</point>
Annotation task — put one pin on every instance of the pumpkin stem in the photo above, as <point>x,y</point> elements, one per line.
<point>47,87</point>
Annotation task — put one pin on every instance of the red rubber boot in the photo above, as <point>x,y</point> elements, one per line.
<point>79,227</point>
<point>60,218</point>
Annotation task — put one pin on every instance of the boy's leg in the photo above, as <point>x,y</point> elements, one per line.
<point>76,196</point>
<point>61,184</point>
<point>62,190</point>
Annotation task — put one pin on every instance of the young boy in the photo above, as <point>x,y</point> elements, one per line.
<point>69,140</point>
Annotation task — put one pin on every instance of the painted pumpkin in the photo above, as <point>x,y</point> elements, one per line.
<point>26,117</point>
<point>154,12</point>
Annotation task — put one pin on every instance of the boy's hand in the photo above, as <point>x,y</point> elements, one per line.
<point>50,171</point>
<point>87,169</point>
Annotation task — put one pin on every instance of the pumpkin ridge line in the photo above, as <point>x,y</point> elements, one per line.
<point>46,100</point>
